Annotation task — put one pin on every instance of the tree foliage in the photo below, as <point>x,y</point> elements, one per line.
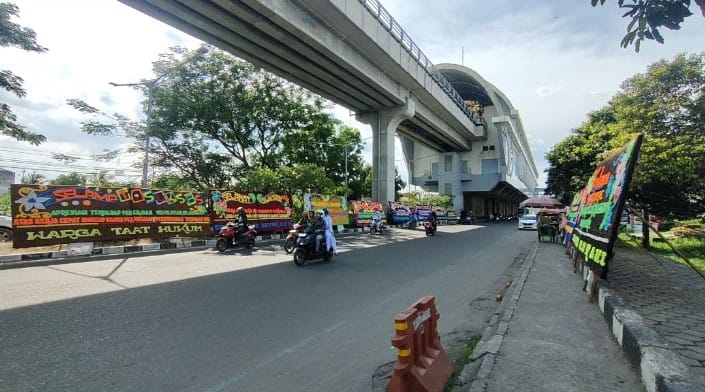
<point>32,177</point>
<point>667,104</point>
<point>12,34</point>
<point>5,203</point>
<point>233,124</point>
<point>647,16</point>
<point>72,178</point>
<point>217,122</point>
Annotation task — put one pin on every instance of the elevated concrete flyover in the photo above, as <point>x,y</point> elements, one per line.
<point>349,51</point>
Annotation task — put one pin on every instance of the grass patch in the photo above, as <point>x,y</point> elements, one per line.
<point>460,363</point>
<point>692,248</point>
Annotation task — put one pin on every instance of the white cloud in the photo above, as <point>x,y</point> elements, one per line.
<point>548,91</point>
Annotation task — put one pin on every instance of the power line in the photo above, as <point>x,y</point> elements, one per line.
<point>54,164</point>
<point>51,154</point>
<point>68,171</point>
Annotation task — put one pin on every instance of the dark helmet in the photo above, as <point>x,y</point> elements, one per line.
<point>325,211</point>
<point>240,210</point>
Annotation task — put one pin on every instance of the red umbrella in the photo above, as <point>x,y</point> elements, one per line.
<point>541,202</point>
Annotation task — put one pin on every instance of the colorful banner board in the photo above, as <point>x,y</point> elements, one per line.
<point>400,212</point>
<point>271,212</point>
<point>597,209</point>
<point>60,214</point>
<point>364,210</point>
<point>336,205</point>
<point>572,215</point>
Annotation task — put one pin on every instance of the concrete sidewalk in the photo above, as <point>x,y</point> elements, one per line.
<point>548,337</point>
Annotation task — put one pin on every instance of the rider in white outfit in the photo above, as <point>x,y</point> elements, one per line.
<point>330,237</point>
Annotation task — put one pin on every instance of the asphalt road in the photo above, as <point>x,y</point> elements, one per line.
<point>203,321</point>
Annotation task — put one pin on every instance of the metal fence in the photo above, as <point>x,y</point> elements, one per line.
<point>382,15</point>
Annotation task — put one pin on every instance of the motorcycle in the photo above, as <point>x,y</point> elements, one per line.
<point>229,238</point>
<point>377,227</point>
<point>430,228</point>
<point>290,241</point>
<point>306,248</point>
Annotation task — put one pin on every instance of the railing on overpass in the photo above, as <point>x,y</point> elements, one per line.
<point>383,16</point>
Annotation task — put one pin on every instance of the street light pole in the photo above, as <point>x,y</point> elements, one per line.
<point>150,85</point>
<point>345,151</point>
<point>145,164</point>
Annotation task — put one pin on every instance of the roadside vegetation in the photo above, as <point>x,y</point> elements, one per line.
<point>464,359</point>
<point>688,237</point>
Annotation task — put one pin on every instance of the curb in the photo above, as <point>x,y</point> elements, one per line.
<point>108,252</point>
<point>475,377</point>
<point>660,368</point>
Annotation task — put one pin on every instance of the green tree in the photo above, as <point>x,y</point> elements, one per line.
<point>12,34</point>
<point>101,123</point>
<point>215,99</point>
<point>667,104</point>
<point>32,177</point>
<point>572,161</point>
<point>174,181</point>
<point>647,16</point>
<point>254,119</point>
<point>5,204</point>
<point>69,179</point>
<point>101,178</point>
<point>217,122</point>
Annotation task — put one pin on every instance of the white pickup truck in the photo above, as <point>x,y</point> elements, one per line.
<point>5,228</point>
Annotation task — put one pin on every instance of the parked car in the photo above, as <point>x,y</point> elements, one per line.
<point>5,228</point>
<point>528,222</point>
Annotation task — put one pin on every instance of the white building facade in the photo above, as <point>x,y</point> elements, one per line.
<point>498,173</point>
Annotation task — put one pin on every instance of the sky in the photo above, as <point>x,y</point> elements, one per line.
<point>556,61</point>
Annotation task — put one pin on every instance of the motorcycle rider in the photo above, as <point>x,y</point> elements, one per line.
<point>330,237</point>
<point>306,218</point>
<point>377,221</point>
<point>241,221</point>
<point>433,217</point>
<point>319,228</point>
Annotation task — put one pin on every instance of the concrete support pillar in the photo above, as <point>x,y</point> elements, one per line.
<point>449,182</point>
<point>457,183</point>
<point>384,124</point>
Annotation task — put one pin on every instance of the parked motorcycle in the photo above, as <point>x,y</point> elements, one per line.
<point>229,238</point>
<point>430,228</point>
<point>306,248</point>
<point>290,241</point>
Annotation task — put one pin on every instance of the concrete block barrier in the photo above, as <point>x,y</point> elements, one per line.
<point>422,363</point>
